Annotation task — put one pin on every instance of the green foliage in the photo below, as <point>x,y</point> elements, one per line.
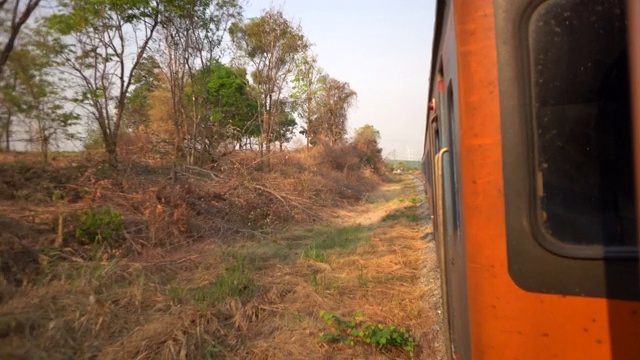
<point>378,335</point>
<point>229,94</point>
<point>97,226</point>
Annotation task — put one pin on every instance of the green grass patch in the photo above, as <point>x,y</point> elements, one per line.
<point>312,252</point>
<point>234,281</point>
<point>326,239</point>
<point>340,238</point>
<point>408,213</point>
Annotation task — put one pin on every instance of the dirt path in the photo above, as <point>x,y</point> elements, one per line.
<point>246,298</point>
<point>390,276</point>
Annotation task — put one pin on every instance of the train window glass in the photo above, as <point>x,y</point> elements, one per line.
<point>581,122</point>
<point>454,178</point>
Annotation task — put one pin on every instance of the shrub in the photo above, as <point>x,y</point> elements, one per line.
<point>96,226</point>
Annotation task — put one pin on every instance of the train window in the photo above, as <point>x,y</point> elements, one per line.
<point>583,166</point>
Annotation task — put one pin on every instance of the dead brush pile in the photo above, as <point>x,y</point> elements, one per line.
<point>98,263</point>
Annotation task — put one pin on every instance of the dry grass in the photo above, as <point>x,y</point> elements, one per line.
<point>198,283</point>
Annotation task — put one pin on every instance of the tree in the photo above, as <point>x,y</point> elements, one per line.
<point>192,35</point>
<point>36,93</point>
<point>12,101</point>
<point>272,45</point>
<point>333,101</point>
<point>17,13</point>
<point>365,141</point>
<point>285,125</point>
<point>233,105</point>
<point>103,43</point>
<point>305,90</point>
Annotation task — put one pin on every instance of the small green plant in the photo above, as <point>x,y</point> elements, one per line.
<point>378,335</point>
<point>96,226</point>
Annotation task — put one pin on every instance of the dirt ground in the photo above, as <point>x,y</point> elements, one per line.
<point>250,296</point>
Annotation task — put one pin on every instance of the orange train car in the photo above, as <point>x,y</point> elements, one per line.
<point>529,169</point>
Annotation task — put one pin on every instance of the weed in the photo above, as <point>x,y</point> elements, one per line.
<point>378,335</point>
<point>96,226</point>
<point>311,252</point>
<point>363,280</point>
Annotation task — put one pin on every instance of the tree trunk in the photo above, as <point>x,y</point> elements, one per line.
<point>7,137</point>
<point>112,152</point>
<point>44,149</point>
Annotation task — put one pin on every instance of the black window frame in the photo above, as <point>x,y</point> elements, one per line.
<point>542,235</point>
<point>536,264</point>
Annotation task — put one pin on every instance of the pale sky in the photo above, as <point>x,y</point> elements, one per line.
<point>382,48</point>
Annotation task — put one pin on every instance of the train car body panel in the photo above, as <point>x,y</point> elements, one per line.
<point>494,315</point>
<point>452,236</point>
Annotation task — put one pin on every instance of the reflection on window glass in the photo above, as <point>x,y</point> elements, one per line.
<point>581,122</point>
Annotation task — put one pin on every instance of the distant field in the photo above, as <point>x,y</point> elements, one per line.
<point>406,164</point>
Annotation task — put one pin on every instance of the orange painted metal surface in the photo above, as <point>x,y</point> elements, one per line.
<point>507,322</point>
